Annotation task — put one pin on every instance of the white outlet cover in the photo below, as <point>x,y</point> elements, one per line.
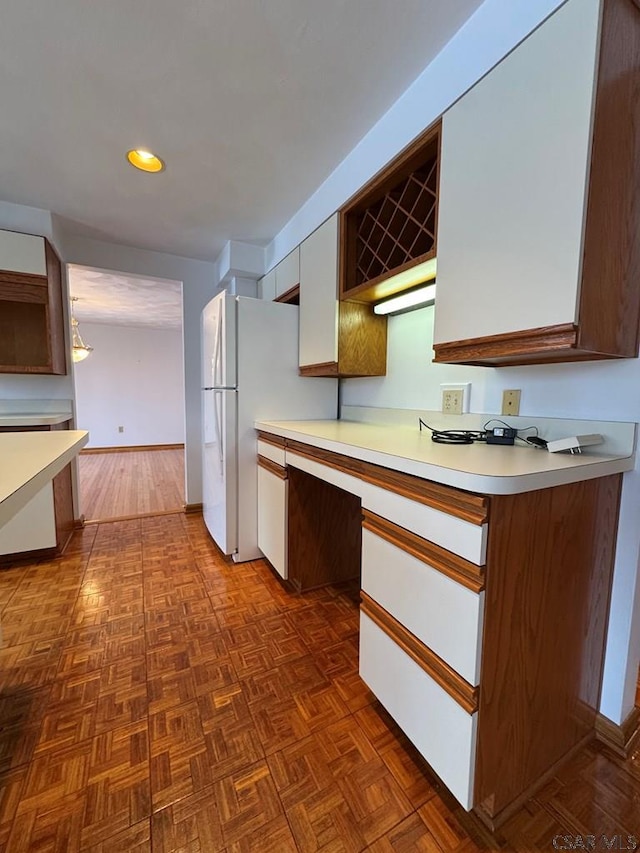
<point>465,387</point>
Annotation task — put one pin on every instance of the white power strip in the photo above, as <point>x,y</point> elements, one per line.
<point>574,443</point>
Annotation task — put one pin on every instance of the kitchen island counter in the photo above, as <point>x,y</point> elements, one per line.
<point>29,460</point>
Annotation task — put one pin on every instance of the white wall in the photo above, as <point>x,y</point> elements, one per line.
<point>590,390</point>
<point>133,378</point>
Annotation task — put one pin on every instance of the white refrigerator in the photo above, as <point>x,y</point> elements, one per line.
<point>249,373</point>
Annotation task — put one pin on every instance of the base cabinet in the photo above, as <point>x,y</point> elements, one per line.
<point>46,523</point>
<point>272,515</point>
<point>483,617</point>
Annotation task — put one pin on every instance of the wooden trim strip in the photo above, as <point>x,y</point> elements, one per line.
<point>525,344</point>
<point>289,295</point>
<point>465,505</point>
<point>192,509</point>
<point>464,694</point>
<point>267,437</point>
<point>462,571</point>
<point>620,739</point>
<point>134,448</point>
<point>325,368</point>
<point>22,278</point>
<point>272,467</point>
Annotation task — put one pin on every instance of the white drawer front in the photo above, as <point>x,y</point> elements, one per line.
<point>344,481</point>
<point>434,722</point>
<point>270,451</point>
<point>22,253</point>
<point>455,534</point>
<point>446,616</point>
<point>272,519</point>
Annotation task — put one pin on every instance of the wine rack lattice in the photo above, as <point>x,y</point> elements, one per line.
<point>392,223</point>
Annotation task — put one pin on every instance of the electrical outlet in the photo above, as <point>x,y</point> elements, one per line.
<point>452,401</point>
<point>511,402</point>
<point>120,429</point>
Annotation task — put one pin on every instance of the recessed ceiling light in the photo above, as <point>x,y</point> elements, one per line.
<point>145,160</point>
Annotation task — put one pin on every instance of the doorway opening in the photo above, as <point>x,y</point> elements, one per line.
<point>129,394</point>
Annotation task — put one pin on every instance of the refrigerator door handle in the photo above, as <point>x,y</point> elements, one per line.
<point>217,367</point>
<point>218,429</point>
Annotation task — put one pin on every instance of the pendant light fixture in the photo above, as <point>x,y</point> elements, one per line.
<point>79,350</point>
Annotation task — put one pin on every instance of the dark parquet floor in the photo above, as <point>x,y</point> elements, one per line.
<point>156,697</point>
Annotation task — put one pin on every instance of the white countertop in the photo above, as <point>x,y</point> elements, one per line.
<point>488,469</point>
<point>28,460</point>
<point>33,419</point>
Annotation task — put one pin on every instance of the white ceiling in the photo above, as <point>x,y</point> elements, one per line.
<point>108,297</point>
<point>252,103</point>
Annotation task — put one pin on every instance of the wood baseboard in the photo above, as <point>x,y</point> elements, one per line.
<point>494,821</point>
<point>622,738</point>
<point>178,511</point>
<point>78,523</point>
<point>133,448</point>
<point>192,508</point>
<point>29,556</point>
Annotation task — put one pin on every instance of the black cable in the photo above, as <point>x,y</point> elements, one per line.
<point>453,436</point>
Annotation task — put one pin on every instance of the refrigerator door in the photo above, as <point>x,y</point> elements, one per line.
<point>220,468</point>
<point>219,321</point>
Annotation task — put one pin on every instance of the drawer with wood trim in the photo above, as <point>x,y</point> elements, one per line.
<point>449,531</point>
<point>436,595</point>
<point>271,447</point>
<point>443,731</point>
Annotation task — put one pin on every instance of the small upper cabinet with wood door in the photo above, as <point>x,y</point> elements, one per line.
<point>336,338</point>
<point>539,208</point>
<point>31,312</point>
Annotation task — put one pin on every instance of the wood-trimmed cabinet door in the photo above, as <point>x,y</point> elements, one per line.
<point>538,221</point>
<point>32,338</point>
<point>337,338</point>
<point>272,514</point>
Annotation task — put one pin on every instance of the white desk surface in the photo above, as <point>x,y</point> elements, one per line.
<point>487,469</point>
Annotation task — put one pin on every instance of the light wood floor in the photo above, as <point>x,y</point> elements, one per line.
<point>121,485</point>
<point>156,697</point>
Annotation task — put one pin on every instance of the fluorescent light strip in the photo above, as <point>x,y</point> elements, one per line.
<point>421,296</point>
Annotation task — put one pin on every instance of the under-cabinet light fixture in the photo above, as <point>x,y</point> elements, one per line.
<point>403,302</point>
<point>405,284</point>
<point>79,350</point>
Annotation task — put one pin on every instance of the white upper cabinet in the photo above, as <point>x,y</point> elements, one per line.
<point>531,158</point>
<point>319,295</point>
<point>267,286</point>
<point>22,253</point>
<point>288,272</point>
